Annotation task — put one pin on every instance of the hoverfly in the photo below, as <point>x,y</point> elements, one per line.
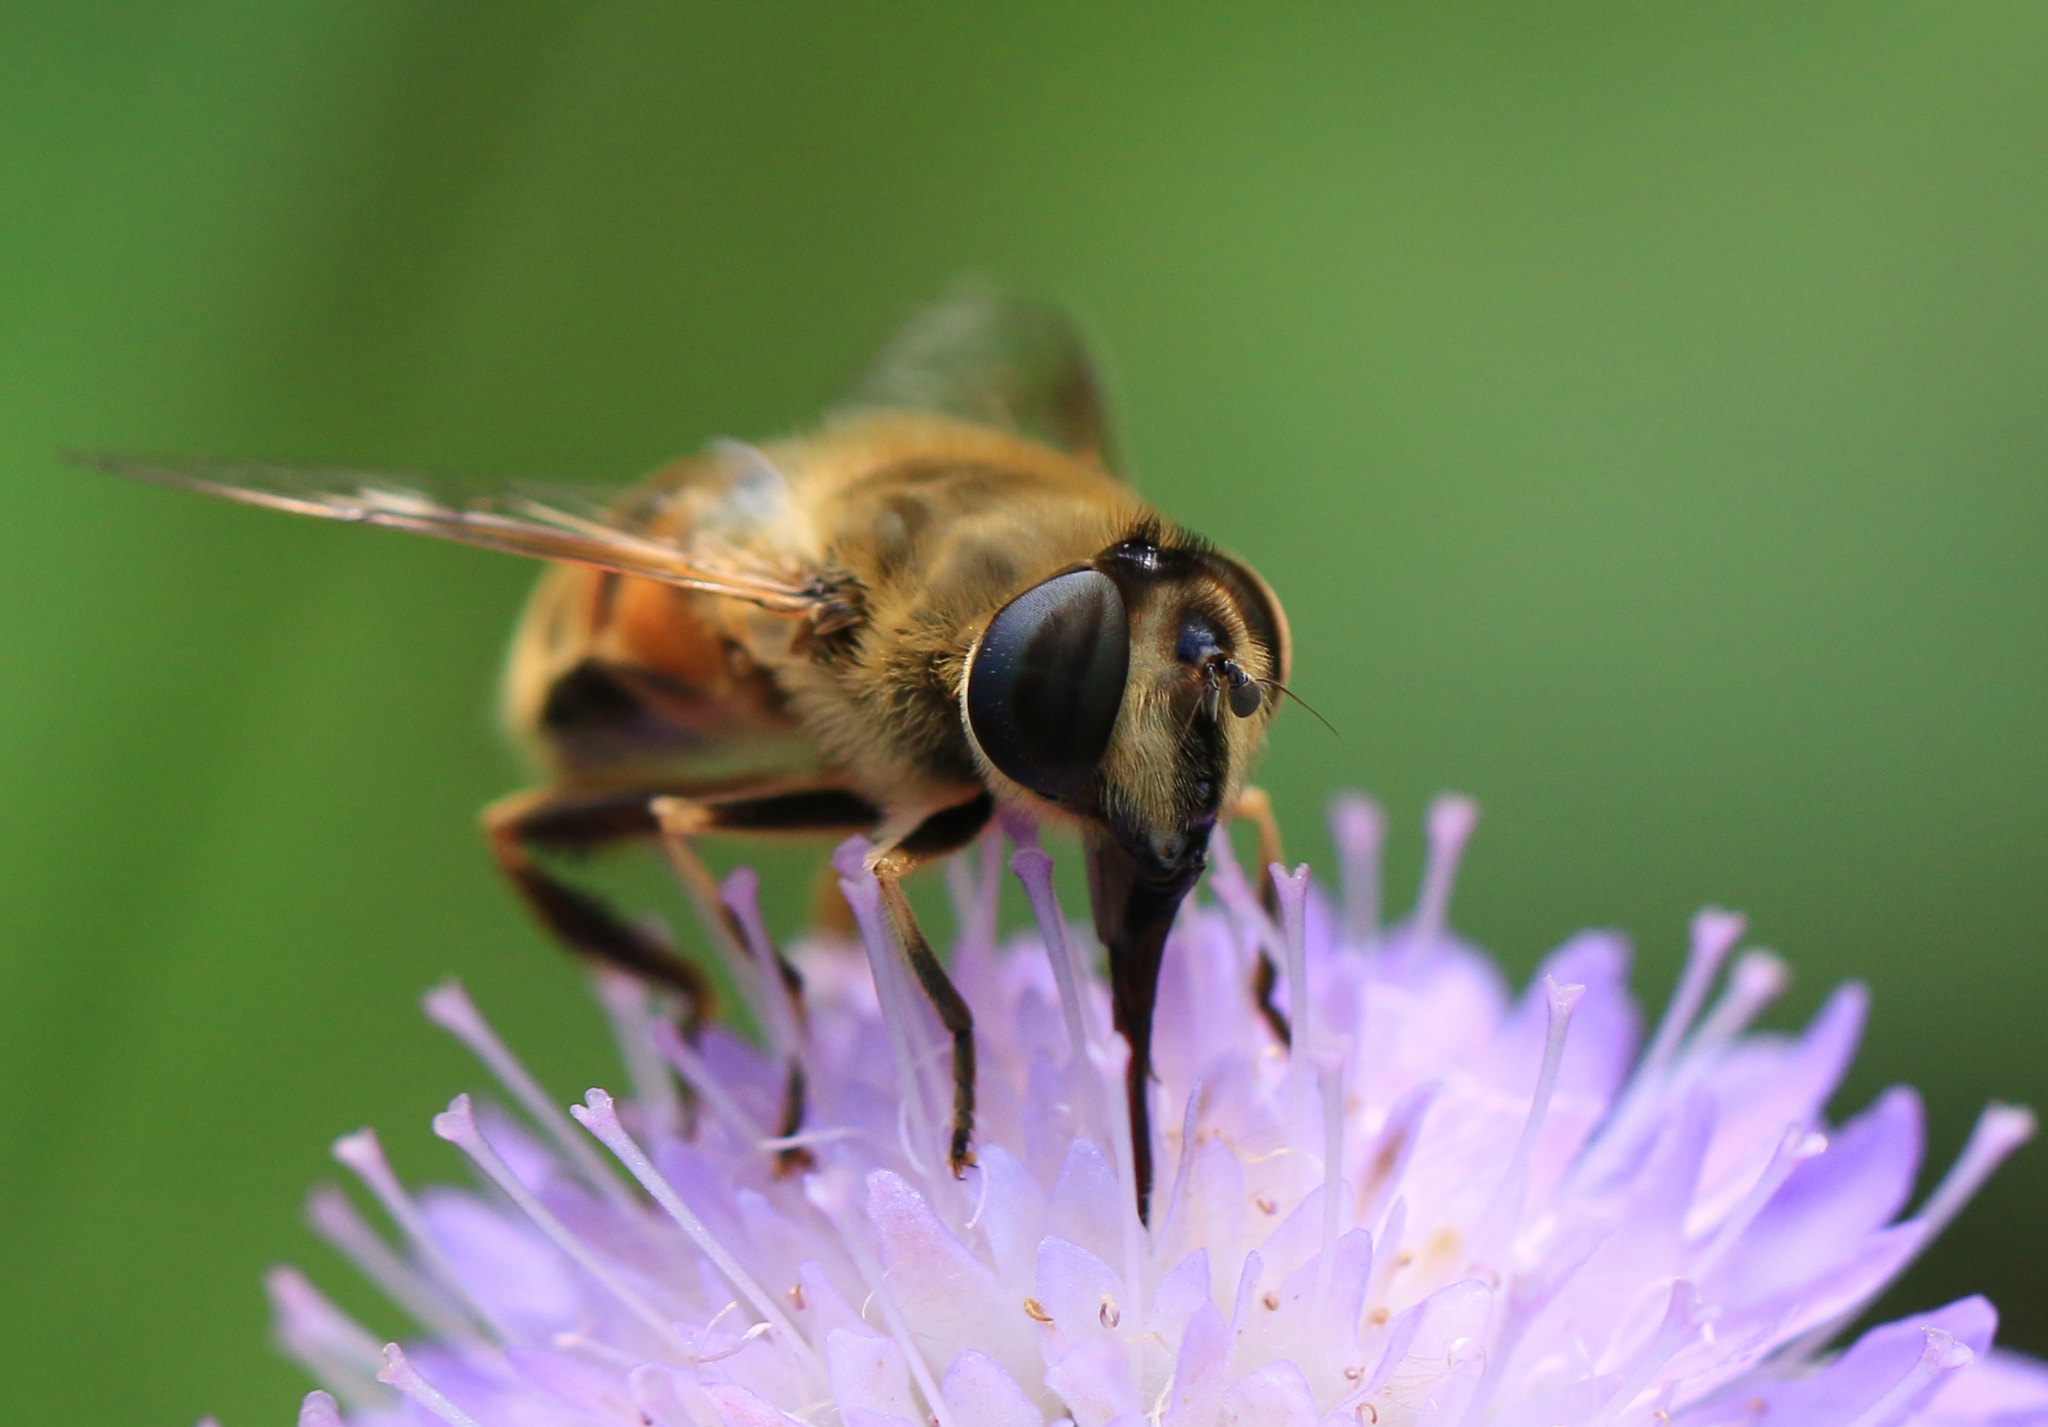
<point>941,601</point>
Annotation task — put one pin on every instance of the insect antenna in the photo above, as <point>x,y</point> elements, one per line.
<point>1279,687</point>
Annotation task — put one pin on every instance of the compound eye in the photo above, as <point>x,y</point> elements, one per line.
<point>1047,681</point>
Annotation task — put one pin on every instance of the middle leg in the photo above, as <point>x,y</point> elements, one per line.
<point>819,809</point>
<point>945,831</point>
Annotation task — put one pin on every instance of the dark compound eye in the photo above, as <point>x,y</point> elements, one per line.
<point>1047,681</point>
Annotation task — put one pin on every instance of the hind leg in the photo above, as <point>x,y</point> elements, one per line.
<point>555,820</point>
<point>569,820</point>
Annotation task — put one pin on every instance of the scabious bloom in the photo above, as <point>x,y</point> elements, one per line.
<point>1444,1203</point>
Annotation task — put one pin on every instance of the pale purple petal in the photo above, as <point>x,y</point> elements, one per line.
<point>980,1392</point>
<point>869,1375</point>
<point>1834,1201</point>
<point>1276,1395</point>
<point>1884,1379</point>
<point>1201,1372</point>
<point>1093,1381</point>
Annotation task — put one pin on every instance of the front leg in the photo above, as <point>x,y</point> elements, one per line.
<point>940,833</point>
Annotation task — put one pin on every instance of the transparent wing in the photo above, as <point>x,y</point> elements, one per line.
<point>999,360</point>
<point>575,526</point>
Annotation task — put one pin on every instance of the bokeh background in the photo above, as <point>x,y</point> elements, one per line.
<point>1643,410</point>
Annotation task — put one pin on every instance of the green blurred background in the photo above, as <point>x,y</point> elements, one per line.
<point>1641,409</point>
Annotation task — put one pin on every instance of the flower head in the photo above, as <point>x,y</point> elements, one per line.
<point>1439,1202</point>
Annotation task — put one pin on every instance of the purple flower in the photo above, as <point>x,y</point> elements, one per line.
<point>1446,1204</point>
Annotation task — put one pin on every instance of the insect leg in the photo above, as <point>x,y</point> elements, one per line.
<point>947,830</point>
<point>681,819</point>
<point>1255,806</point>
<point>556,820</point>
<point>793,1159</point>
<point>820,809</point>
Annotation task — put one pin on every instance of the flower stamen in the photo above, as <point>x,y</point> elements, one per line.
<point>1758,979</point>
<point>706,1085</point>
<point>1942,1355</point>
<point>1493,1244</point>
<point>1714,934</point>
<point>362,1154</point>
<point>1110,1061</point>
<point>399,1373</point>
<point>335,1219</point>
<point>1359,829</point>
<point>625,1002</point>
<point>740,894</point>
<point>457,1125</point>
<point>864,896</point>
<point>598,1115</point>
<point>1999,1131</point>
<point>1292,896</point>
<point>1679,1327</point>
<point>324,1338</point>
<point>1033,868</point>
<point>1795,1147</point>
<point>975,883</point>
<point>830,1194</point>
<point>1451,820</point>
<point>1330,1085</point>
<point>449,1007</point>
